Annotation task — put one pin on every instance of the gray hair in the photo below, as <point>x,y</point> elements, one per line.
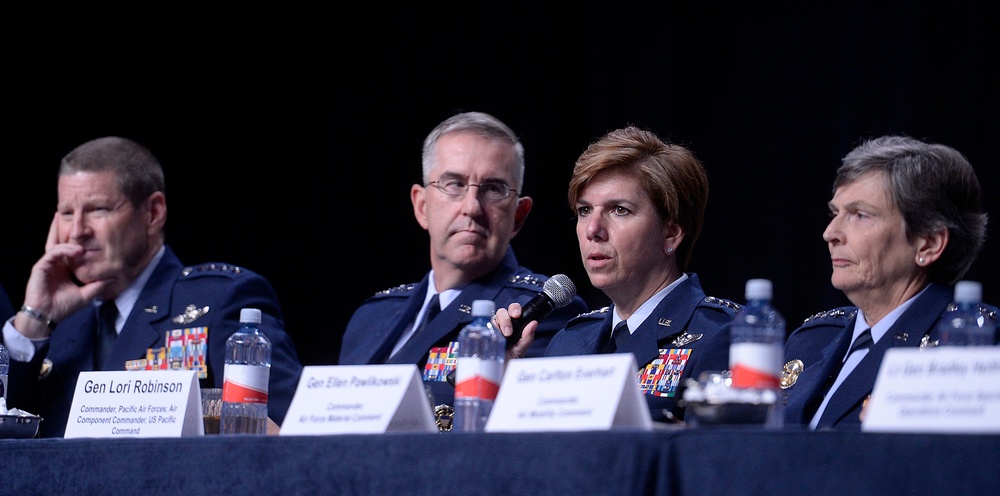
<point>482,124</point>
<point>934,187</point>
<point>136,169</point>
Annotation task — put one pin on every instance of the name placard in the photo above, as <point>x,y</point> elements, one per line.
<point>353,399</point>
<point>944,389</point>
<point>573,393</point>
<point>156,403</point>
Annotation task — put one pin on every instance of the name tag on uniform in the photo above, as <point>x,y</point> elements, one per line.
<point>359,399</point>
<point>587,392</point>
<point>156,403</point>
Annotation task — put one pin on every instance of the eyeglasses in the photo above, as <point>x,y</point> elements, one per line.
<point>489,190</point>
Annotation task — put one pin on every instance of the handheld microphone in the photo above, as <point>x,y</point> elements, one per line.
<point>557,292</point>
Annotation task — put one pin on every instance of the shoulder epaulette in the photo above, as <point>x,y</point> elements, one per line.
<point>723,303</point>
<point>594,313</point>
<point>528,279</point>
<point>211,267</point>
<point>836,313</point>
<point>984,310</point>
<point>990,312</point>
<point>396,289</point>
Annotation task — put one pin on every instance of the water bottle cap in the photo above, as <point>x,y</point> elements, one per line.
<point>251,315</point>
<point>968,292</point>
<point>758,289</point>
<point>483,307</point>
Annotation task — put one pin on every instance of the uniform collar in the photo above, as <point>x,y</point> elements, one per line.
<point>126,300</point>
<point>646,309</point>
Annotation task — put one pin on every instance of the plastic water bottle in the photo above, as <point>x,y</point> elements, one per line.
<point>479,369</point>
<point>248,368</point>
<point>757,338</point>
<point>756,349</point>
<point>964,324</point>
<point>4,370</point>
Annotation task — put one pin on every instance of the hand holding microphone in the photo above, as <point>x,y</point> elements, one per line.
<point>557,292</point>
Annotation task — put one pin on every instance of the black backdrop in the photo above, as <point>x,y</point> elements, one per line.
<point>290,139</point>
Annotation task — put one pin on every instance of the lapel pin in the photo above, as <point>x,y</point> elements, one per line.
<point>790,373</point>
<point>46,369</point>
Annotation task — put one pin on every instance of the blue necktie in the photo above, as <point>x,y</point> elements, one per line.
<point>106,333</point>
<point>619,336</point>
<point>863,342</point>
<point>433,309</point>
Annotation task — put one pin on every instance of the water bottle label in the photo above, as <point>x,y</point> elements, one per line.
<point>755,365</point>
<point>477,378</point>
<point>245,383</point>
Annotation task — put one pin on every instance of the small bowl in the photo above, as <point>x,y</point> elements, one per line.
<point>19,426</point>
<point>714,401</point>
<point>730,413</point>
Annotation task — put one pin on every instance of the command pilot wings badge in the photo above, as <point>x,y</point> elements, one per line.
<point>191,313</point>
<point>685,339</point>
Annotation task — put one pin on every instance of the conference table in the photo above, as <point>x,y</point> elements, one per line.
<point>668,461</point>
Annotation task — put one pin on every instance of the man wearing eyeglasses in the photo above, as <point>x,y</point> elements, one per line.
<point>469,203</point>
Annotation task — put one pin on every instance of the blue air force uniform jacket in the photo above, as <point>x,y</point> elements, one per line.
<point>209,295</point>
<point>814,355</point>
<point>378,323</point>
<point>686,334</point>
<point>6,307</point>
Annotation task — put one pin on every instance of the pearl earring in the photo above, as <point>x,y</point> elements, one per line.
<point>920,260</point>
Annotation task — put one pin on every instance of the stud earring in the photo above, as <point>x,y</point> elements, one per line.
<point>670,249</point>
<point>920,261</point>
